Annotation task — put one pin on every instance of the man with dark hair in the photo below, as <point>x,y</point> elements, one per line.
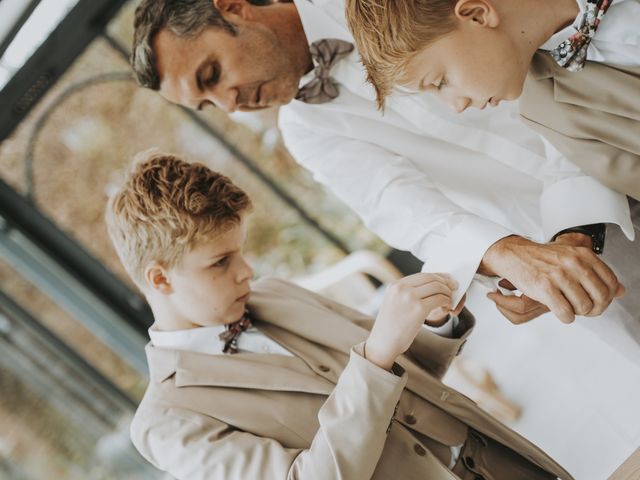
<point>466,194</point>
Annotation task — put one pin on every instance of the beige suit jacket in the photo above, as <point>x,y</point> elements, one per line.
<point>326,413</point>
<point>592,117</point>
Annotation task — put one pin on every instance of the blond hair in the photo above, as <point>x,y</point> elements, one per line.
<point>389,33</point>
<point>165,206</point>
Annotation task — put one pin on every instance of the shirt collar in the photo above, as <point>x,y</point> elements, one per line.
<point>318,24</point>
<point>200,339</point>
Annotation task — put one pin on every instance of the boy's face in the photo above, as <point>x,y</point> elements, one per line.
<point>473,66</point>
<point>211,285</point>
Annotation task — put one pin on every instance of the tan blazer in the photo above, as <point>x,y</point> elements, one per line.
<point>592,117</point>
<point>326,413</point>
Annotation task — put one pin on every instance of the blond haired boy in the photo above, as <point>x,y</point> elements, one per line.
<point>269,381</point>
<point>576,64</point>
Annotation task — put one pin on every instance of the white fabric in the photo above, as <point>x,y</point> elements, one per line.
<point>443,186</point>
<point>205,340</point>
<point>617,40</point>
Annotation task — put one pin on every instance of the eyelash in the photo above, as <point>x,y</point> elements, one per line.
<point>222,262</point>
<point>443,83</point>
<point>213,78</point>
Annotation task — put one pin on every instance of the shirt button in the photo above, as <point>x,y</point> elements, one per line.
<point>410,419</point>
<point>419,450</point>
<point>324,368</point>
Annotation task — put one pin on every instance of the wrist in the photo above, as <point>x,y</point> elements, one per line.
<point>575,239</point>
<point>496,253</point>
<point>378,356</point>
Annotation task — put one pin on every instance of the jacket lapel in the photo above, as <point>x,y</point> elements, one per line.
<point>586,88</point>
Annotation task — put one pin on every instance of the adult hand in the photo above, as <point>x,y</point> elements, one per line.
<point>570,280</point>
<point>406,305</point>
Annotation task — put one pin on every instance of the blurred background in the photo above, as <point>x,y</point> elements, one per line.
<point>73,328</point>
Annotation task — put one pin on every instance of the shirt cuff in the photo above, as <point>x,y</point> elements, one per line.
<point>459,253</point>
<point>445,330</point>
<point>583,201</point>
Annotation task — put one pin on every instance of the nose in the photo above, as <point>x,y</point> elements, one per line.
<point>226,100</point>
<point>245,272</point>
<point>459,104</point>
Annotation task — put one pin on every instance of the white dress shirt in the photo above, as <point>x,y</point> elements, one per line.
<point>617,40</point>
<point>443,186</point>
<point>205,340</point>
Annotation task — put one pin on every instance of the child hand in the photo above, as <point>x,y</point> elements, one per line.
<point>407,304</point>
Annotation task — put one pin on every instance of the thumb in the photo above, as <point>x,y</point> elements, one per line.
<point>620,291</point>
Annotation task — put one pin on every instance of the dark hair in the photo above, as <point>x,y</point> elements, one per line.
<point>184,18</point>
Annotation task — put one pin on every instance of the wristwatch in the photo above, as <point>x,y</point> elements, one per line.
<point>597,232</point>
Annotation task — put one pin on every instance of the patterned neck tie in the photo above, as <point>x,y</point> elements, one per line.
<point>232,331</point>
<point>325,53</point>
<point>572,53</point>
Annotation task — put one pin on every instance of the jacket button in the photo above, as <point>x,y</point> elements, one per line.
<point>419,450</point>
<point>410,419</point>
<point>324,368</point>
<point>469,461</point>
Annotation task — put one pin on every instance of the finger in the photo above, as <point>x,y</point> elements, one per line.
<point>599,291</point>
<point>621,291</point>
<point>432,288</point>
<point>577,296</point>
<point>554,298</point>
<point>437,306</point>
<point>521,305</point>
<point>607,276</point>
<point>422,278</point>
<point>520,318</point>
<point>456,311</point>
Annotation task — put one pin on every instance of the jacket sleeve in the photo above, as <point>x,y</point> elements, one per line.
<point>353,428</point>
<point>432,352</point>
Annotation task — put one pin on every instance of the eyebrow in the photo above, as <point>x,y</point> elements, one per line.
<point>223,254</point>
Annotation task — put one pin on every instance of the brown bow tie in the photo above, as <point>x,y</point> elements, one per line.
<point>325,53</point>
<point>232,331</point>
<point>572,53</point>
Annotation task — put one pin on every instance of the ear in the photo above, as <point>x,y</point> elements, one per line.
<point>480,13</point>
<point>157,278</point>
<point>232,8</point>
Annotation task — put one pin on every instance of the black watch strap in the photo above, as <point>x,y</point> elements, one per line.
<point>597,232</point>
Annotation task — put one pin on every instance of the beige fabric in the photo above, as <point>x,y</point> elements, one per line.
<point>592,117</point>
<point>630,469</point>
<point>326,413</point>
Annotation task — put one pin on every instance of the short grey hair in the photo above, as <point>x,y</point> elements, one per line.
<point>184,18</point>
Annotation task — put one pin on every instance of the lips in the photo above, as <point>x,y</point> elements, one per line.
<point>244,298</point>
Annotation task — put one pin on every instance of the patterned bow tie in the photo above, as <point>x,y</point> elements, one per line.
<point>325,54</point>
<point>232,331</point>
<point>572,53</point>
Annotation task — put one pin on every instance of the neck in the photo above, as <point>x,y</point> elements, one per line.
<point>165,317</point>
<point>533,22</point>
<point>286,23</point>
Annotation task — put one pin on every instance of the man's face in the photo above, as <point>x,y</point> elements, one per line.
<point>469,67</point>
<point>211,284</point>
<point>249,71</point>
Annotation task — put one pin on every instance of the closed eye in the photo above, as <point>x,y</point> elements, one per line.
<point>222,262</point>
<point>441,83</point>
